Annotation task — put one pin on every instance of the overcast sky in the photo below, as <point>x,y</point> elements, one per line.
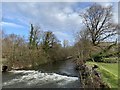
<point>61,18</point>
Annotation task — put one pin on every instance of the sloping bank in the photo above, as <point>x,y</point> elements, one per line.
<point>108,72</point>
<point>90,77</point>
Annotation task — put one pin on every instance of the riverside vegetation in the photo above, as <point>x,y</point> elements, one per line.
<point>42,47</point>
<point>91,46</point>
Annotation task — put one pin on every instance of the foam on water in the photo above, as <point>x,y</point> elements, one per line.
<point>32,77</point>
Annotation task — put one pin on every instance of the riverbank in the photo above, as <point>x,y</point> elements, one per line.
<point>109,72</point>
<point>19,66</point>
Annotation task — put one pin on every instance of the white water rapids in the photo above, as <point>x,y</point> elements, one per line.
<point>32,77</point>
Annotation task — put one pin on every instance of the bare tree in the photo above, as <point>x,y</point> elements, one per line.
<point>12,49</point>
<point>98,22</point>
<point>83,45</point>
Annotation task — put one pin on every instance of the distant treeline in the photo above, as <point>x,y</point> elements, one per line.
<point>41,47</point>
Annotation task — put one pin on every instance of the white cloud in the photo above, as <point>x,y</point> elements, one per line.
<point>68,10</point>
<point>10,24</point>
<point>60,0</point>
<point>46,13</point>
<point>64,36</point>
<point>114,10</point>
<point>61,16</point>
<point>61,34</point>
<point>105,4</point>
<point>56,17</point>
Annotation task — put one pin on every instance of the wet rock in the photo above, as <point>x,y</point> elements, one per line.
<point>77,67</point>
<point>103,85</point>
<point>85,75</point>
<point>4,68</point>
<point>95,72</point>
<point>95,67</point>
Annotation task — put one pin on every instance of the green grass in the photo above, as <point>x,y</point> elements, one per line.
<point>109,73</point>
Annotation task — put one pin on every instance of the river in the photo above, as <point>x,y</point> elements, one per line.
<point>58,75</point>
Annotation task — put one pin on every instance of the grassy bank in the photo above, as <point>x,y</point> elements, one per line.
<point>109,73</point>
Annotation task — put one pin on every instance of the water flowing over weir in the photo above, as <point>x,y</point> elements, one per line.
<point>59,75</point>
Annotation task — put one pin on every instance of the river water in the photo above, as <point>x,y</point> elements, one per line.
<point>58,75</point>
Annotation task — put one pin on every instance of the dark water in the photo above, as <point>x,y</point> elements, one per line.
<point>58,75</point>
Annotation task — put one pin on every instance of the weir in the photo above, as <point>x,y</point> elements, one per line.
<point>59,75</point>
